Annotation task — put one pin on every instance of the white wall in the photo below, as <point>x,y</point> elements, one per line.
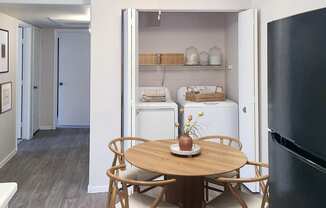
<point>176,32</point>
<point>8,119</point>
<point>272,10</point>
<point>46,79</point>
<point>106,72</point>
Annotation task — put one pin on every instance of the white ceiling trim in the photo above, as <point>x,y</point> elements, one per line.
<point>53,2</point>
<point>40,15</point>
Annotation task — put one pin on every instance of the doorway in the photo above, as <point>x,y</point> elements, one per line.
<point>73,83</point>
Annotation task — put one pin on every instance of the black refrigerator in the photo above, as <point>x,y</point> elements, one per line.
<point>297,110</point>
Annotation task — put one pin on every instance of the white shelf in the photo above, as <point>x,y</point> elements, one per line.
<point>181,67</point>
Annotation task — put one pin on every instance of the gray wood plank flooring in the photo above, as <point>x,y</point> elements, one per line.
<point>52,171</point>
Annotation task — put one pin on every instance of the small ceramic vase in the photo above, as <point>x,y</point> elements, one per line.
<point>185,142</point>
<point>203,58</point>
<point>192,56</point>
<point>215,56</point>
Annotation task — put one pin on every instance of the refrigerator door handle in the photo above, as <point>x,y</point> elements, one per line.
<point>308,162</point>
<point>277,139</point>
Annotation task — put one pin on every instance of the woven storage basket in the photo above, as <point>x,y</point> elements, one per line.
<point>149,59</point>
<point>205,97</point>
<point>172,58</point>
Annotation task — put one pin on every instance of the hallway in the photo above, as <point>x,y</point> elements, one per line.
<point>52,171</point>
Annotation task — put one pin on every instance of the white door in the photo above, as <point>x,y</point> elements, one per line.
<point>130,71</point>
<point>35,80</point>
<point>74,78</point>
<point>248,89</point>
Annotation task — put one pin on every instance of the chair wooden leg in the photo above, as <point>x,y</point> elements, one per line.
<point>237,196</point>
<point>112,198</point>
<point>265,196</point>
<point>108,203</point>
<point>238,176</point>
<point>110,194</point>
<point>137,189</point>
<point>165,193</point>
<point>206,190</point>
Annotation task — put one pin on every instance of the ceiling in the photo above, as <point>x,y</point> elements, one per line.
<point>50,16</point>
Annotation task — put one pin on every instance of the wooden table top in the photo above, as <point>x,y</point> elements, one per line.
<point>214,159</point>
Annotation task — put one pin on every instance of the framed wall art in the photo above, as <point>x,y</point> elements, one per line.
<point>4,51</point>
<point>5,97</point>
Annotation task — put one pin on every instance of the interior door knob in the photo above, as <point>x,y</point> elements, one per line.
<point>35,87</point>
<point>60,83</point>
<point>244,109</point>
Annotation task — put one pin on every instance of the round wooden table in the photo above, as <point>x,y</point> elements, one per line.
<point>214,159</point>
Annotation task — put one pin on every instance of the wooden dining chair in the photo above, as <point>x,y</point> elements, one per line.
<point>225,140</point>
<point>233,197</point>
<point>118,191</point>
<point>118,146</point>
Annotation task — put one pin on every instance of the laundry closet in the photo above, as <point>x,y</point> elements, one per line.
<point>159,49</point>
<point>174,33</point>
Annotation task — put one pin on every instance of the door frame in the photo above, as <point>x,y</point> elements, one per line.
<point>35,79</point>
<point>256,63</point>
<point>56,75</point>
<point>129,73</point>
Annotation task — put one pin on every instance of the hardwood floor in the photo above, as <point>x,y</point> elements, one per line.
<point>52,171</point>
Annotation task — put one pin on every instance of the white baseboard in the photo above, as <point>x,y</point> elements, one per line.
<point>73,126</point>
<point>6,159</point>
<point>47,128</point>
<point>97,189</point>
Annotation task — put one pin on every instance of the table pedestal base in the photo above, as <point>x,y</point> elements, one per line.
<point>187,191</point>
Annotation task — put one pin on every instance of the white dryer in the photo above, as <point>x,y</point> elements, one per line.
<point>220,118</point>
<point>156,120</point>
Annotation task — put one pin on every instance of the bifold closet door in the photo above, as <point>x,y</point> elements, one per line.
<point>248,89</point>
<point>130,71</point>
<point>74,78</point>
